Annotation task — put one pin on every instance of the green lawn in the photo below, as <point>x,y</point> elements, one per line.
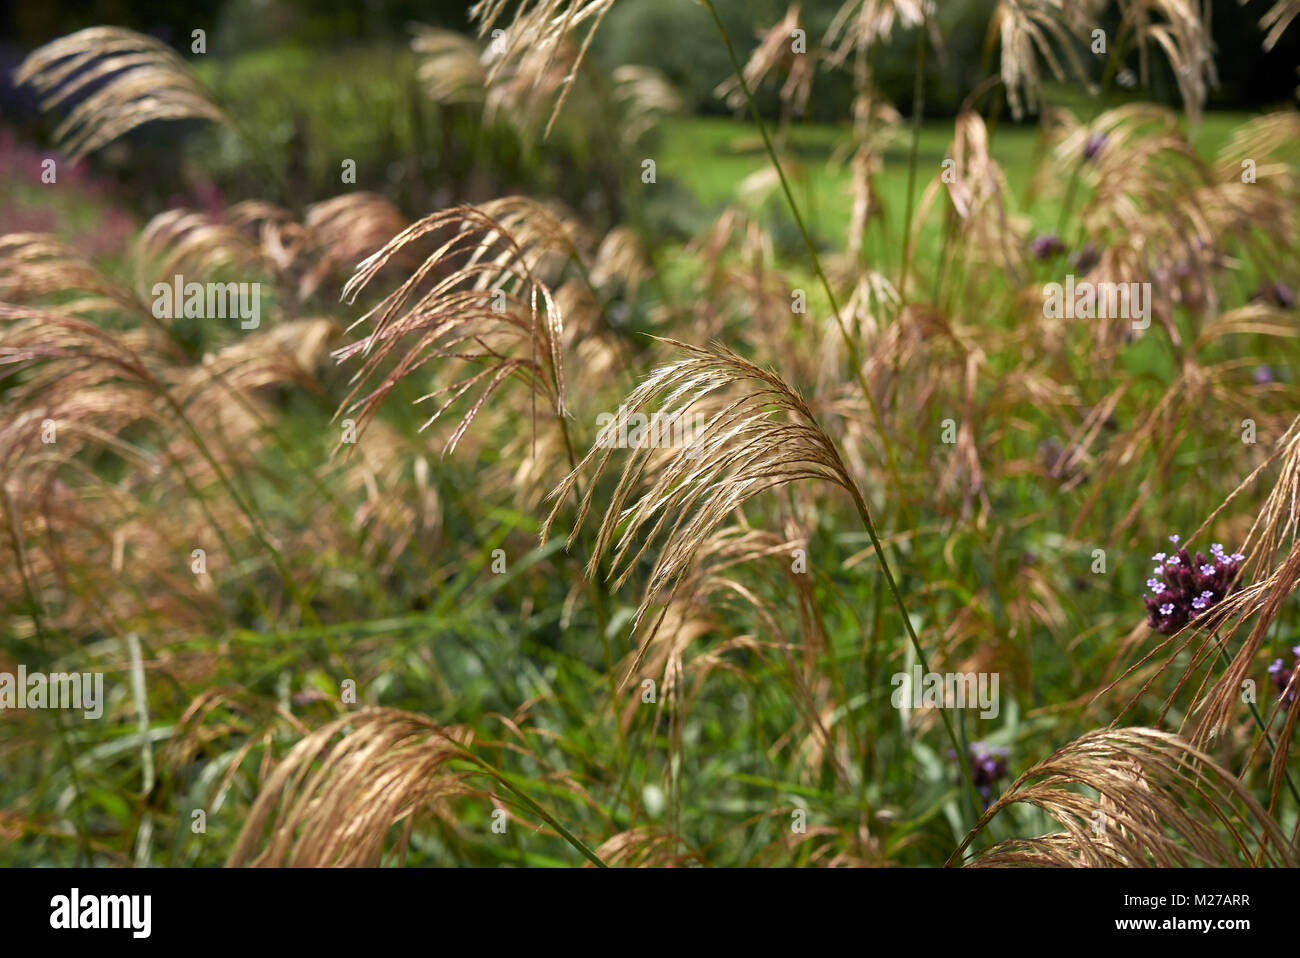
<point>712,156</point>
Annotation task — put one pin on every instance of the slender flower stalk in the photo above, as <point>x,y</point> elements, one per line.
<point>918,111</point>
<point>855,359</point>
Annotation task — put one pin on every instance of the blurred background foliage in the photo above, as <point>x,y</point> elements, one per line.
<point>315,83</point>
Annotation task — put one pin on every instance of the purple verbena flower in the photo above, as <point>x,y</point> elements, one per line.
<point>988,765</point>
<point>1281,677</point>
<point>1186,587</point>
<point>1274,294</point>
<point>1046,245</point>
<point>1086,258</point>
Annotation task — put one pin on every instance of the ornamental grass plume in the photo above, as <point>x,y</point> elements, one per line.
<point>340,792</point>
<point>477,299</point>
<point>139,79</point>
<point>1276,19</point>
<point>761,436</point>
<point>775,52</point>
<point>1158,800</point>
<point>540,43</point>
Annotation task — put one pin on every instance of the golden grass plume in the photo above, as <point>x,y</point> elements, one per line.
<point>758,435</point>
<point>145,80</point>
<point>536,41</point>
<point>484,304</point>
<point>333,800</point>
<point>1160,803</point>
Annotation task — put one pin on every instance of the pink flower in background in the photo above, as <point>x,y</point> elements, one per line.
<point>74,189</point>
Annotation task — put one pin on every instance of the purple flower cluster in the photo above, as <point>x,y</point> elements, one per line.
<point>1094,145</point>
<point>1282,677</point>
<point>1086,258</point>
<point>1046,245</point>
<point>988,766</point>
<point>1274,294</point>
<point>1183,587</point>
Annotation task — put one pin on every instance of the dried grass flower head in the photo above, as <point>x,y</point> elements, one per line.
<point>125,79</point>
<point>536,49</point>
<point>861,24</point>
<point>478,299</point>
<point>337,796</point>
<point>1058,30</point>
<point>758,434</point>
<point>450,65</point>
<point>776,52</point>
<point>1030,28</point>
<point>1160,802</point>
